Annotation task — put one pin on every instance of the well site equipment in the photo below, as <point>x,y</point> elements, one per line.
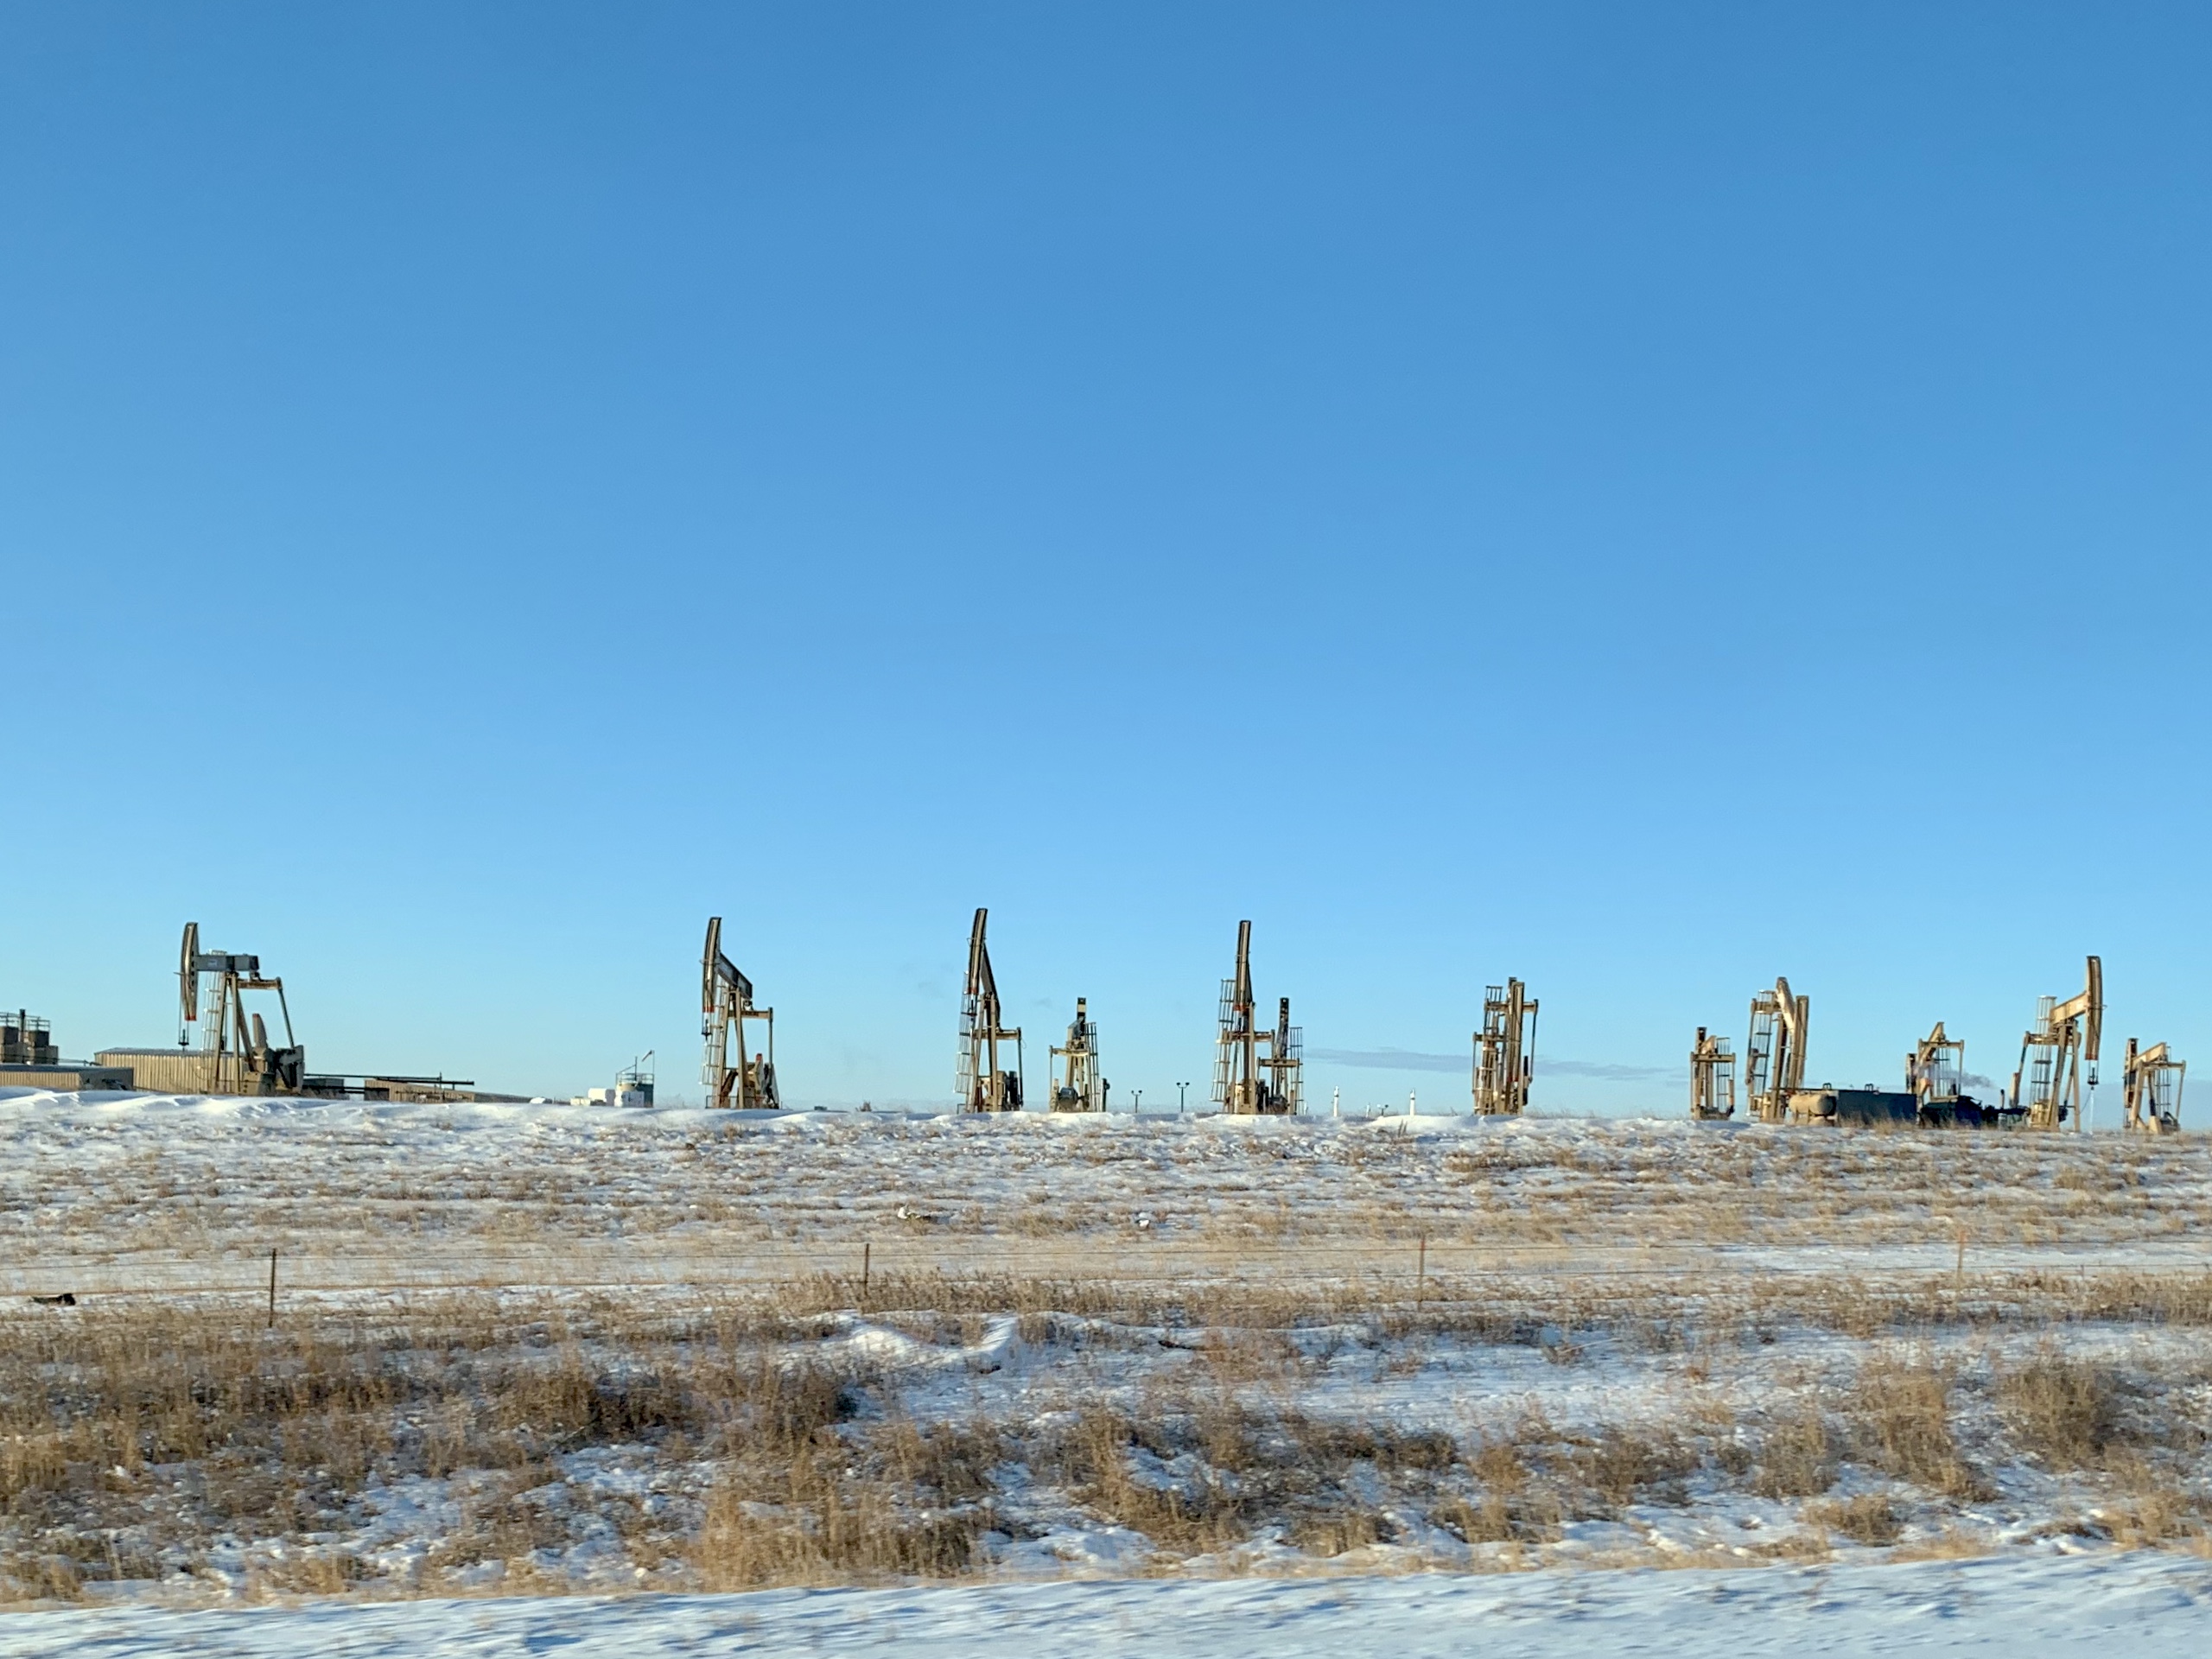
<point>2150,1088</point>
<point>2058,1050</point>
<point>981,1083</point>
<point>1505,1051</point>
<point>234,1055</point>
<point>1773,1052</point>
<point>1079,1085</point>
<point>726,1006</point>
<point>30,1059</point>
<point>1713,1077</point>
<point>1256,1072</point>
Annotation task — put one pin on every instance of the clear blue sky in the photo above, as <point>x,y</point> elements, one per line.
<point>1641,498</point>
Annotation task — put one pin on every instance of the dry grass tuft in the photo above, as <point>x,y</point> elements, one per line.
<point>2062,1409</point>
<point>1902,1425</point>
<point>1622,1466</point>
<point>806,1503</point>
<point>1798,1457</point>
<point>1868,1518</point>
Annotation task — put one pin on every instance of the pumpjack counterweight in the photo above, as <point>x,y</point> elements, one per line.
<point>982,1084</point>
<point>726,1006</point>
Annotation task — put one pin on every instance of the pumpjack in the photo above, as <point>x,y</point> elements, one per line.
<point>2063,1041</point>
<point>1713,1077</point>
<point>240,1059</point>
<point>1245,1083</point>
<point>1080,1088</point>
<point>983,1085</point>
<point>1505,1051</point>
<point>1934,1073</point>
<point>1773,1052</point>
<point>2151,1088</point>
<point>726,1004</point>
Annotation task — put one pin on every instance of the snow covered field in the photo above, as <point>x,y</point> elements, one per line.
<point>2148,1605</point>
<point>149,1192</point>
<point>559,1349</point>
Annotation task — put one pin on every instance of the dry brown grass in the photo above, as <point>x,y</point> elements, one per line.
<point>1509,1505</point>
<point>2149,1509</point>
<point>1191,1511</point>
<point>801,1503</point>
<point>1952,1543</point>
<point>1798,1457</point>
<point>1866,1518</point>
<point>1657,1314</point>
<point>205,1423</point>
<point>1622,1467</point>
<point>1901,1424</point>
<point>2062,1409</point>
<point>133,1435</point>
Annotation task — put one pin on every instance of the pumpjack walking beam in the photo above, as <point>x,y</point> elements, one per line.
<point>983,1085</point>
<point>1505,1051</point>
<point>1773,1052</point>
<point>2151,1089</point>
<point>1935,1070</point>
<point>725,1004</point>
<point>2054,1052</point>
<point>241,1060</point>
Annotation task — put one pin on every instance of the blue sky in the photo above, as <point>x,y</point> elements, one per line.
<point>1643,499</point>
